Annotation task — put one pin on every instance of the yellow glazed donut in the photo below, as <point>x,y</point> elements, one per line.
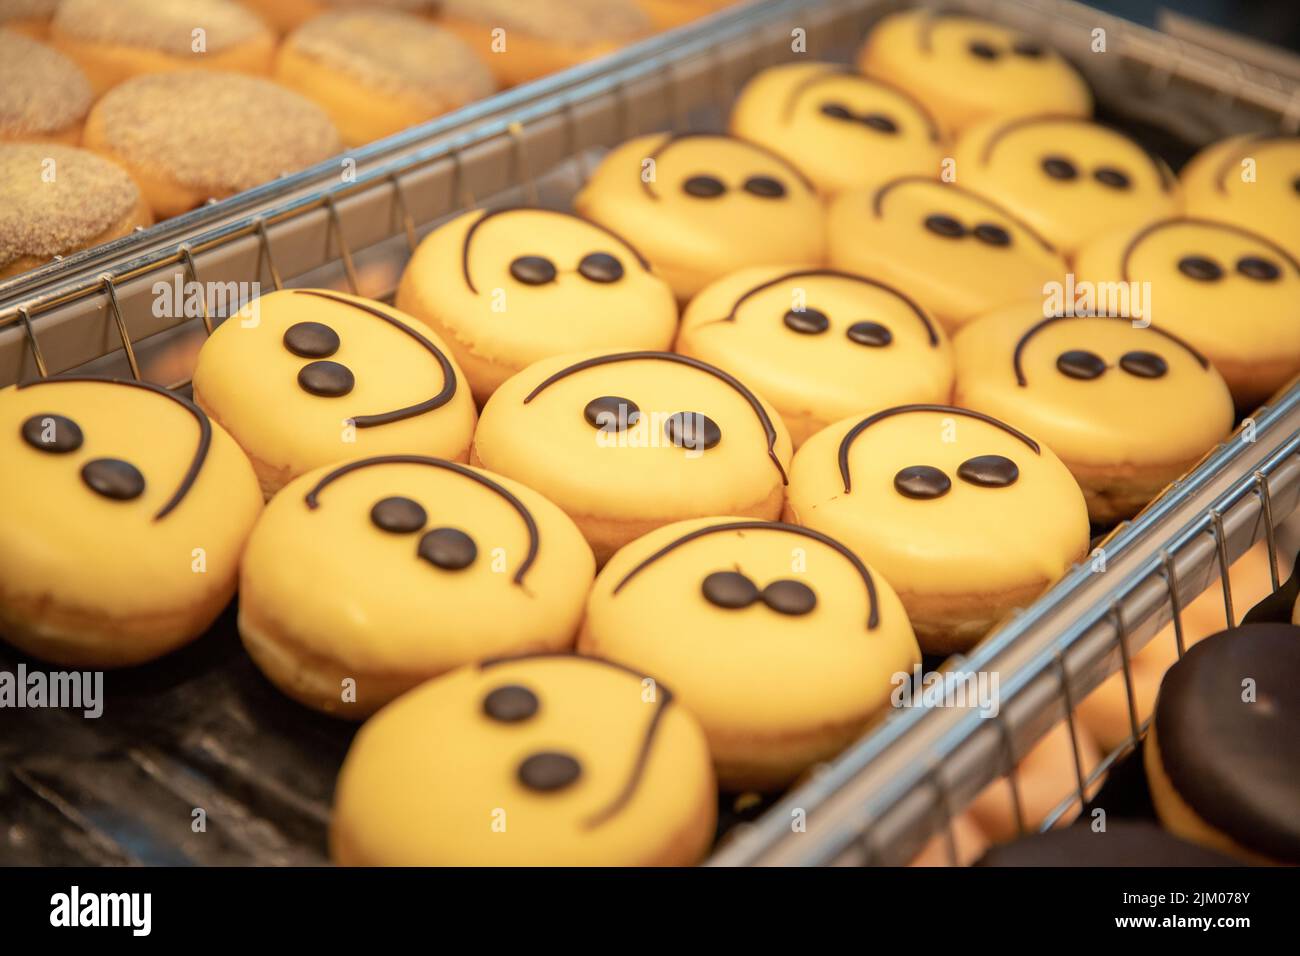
<point>543,760</point>
<point>286,15</point>
<point>966,70</point>
<point>55,200</point>
<point>820,344</point>
<point>123,512</point>
<point>44,96</point>
<point>511,286</point>
<point>777,638</point>
<point>1230,293</point>
<point>842,130</point>
<point>378,72</point>
<point>28,17</point>
<point>965,516</point>
<point>365,579</point>
<point>701,205</point>
<point>957,253</point>
<point>1070,179</point>
<point>307,377</point>
<point>626,442</point>
<point>1127,409</point>
<point>125,38</point>
<point>1249,181</point>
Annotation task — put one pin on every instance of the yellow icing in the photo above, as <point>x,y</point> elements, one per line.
<point>1251,182</point>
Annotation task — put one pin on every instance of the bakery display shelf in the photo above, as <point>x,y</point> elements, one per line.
<point>203,730</point>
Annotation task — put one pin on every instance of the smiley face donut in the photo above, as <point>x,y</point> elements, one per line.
<point>965,70</point>
<point>1195,272</point>
<point>541,760</point>
<point>511,286</point>
<point>388,571</point>
<point>778,638</point>
<point>821,344</point>
<point>626,442</point>
<point>308,377</point>
<point>700,205</point>
<point>965,516</point>
<point>1127,409</point>
<point>1070,179</point>
<point>123,511</point>
<point>957,253</point>
<point>843,130</point>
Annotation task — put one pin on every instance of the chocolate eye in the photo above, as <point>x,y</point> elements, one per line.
<point>836,111</point>
<point>880,123</point>
<point>448,548</point>
<point>764,187</point>
<point>1080,364</point>
<point>609,413</point>
<point>789,597</point>
<point>922,481</point>
<point>1295,184</point>
<point>945,226</point>
<point>807,322</point>
<point>549,770</point>
<point>692,430</point>
<point>1143,364</point>
<point>1028,48</point>
<point>510,703</point>
<point>992,235</point>
<point>600,267</point>
<point>989,471</point>
<point>1112,177</point>
<point>729,589</point>
<point>397,515</point>
<point>1253,267</point>
<point>311,340</point>
<point>870,333</point>
<point>1058,167</point>
<point>52,433</point>
<point>983,50</point>
<point>113,478</point>
<point>704,187</point>
<point>1200,268</point>
<point>326,379</point>
<point>533,270</point>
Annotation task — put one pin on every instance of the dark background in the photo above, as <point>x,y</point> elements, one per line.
<point>1274,21</point>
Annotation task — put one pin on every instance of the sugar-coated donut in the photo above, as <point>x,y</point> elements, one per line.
<point>820,344</point>
<point>543,760</point>
<point>1193,272</point>
<point>626,442</point>
<point>284,16</point>
<point>44,96</point>
<point>701,205</point>
<point>966,70</point>
<point>123,511</point>
<point>777,638</point>
<point>1128,843</point>
<point>377,72</point>
<point>843,130</point>
<point>196,135</point>
<point>521,40</point>
<point>116,41</point>
<point>957,253</point>
<point>1223,750</point>
<point>508,287</point>
<point>364,579</point>
<point>1069,178</point>
<point>55,200</point>
<point>28,17</point>
<point>965,516</point>
<point>309,377</point>
<point>1076,381</point>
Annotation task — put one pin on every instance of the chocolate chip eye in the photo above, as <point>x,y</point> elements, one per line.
<point>510,704</point>
<point>1058,167</point>
<point>533,270</point>
<point>448,548</point>
<point>1028,48</point>
<point>729,589</point>
<point>1200,268</point>
<point>983,50</point>
<point>836,111</point>
<point>945,226</point>
<point>113,478</point>
<point>880,123</point>
<point>870,333</point>
<point>1080,364</point>
<point>807,322</point>
<point>398,515</point>
<point>1144,364</point>
<point>704,187</point>
<point>922,481</point>
<point>764,187</point>
<point>311,340</point>
<point>326,379</point>
<point>1253,267</point>
<point>1112,177</point>
<point>549,770</point>
<point>992,235</point>
<point>609,413</point>
<point>789,597</point>
<point>692,430</point>
<point>600,267</point>
<point>988,471</point>
<point>52,433</point>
